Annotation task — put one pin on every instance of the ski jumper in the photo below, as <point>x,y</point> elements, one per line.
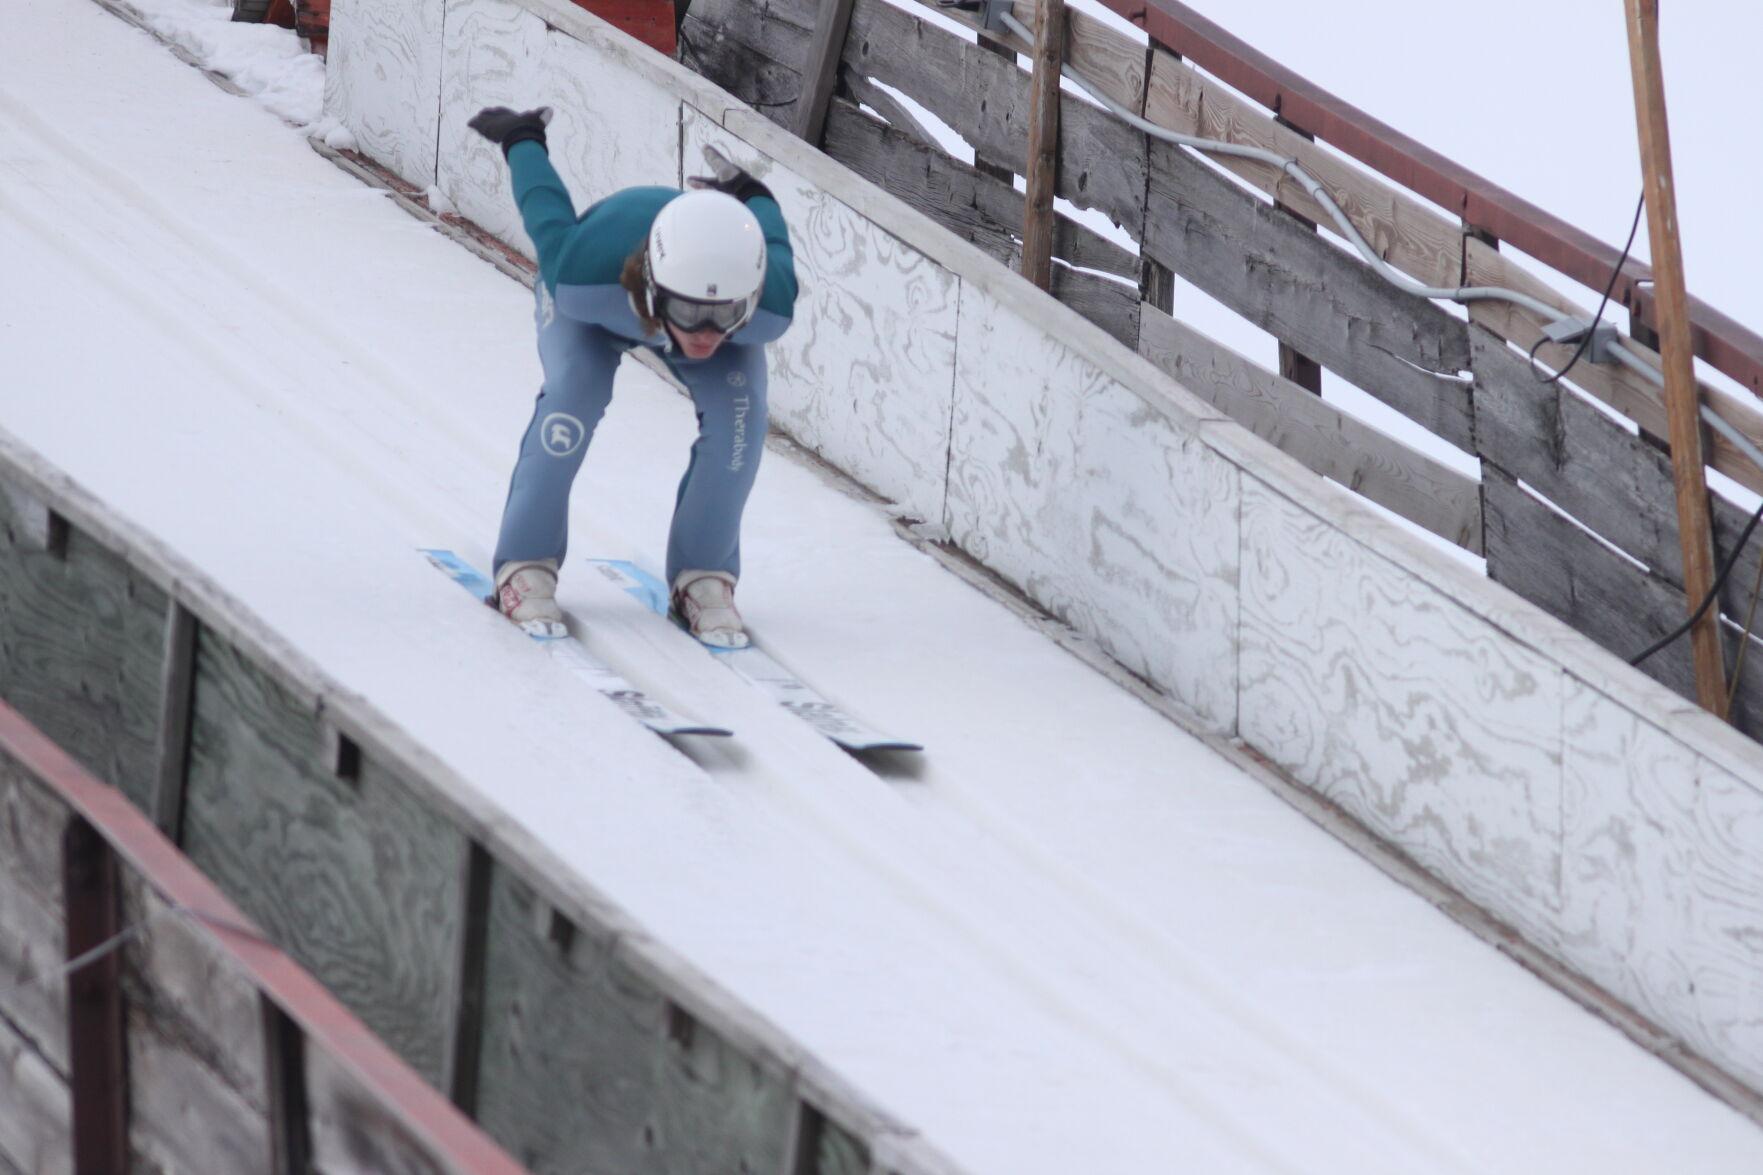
<point>586,323</point>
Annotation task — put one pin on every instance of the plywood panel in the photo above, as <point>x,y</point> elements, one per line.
<point>81,639</point>
<point>587,1067</point>
<point>382,80</point>
<point>1104,508</point>
<point>1663,856</point>
<point>1417,716</point>
<point>356,881</point>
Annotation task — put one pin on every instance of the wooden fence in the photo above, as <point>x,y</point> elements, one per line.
<point>1574,510</point>
<point>196,1045</point>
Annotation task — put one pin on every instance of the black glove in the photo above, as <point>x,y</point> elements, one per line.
<point>729,177</point>
<point>505,127</point>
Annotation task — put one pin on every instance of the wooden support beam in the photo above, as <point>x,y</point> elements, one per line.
<point>177,692</point>
<point>821,69</point>
<point>284,1064</point>
<point>1694,530</point>
<point>1043,143</point>
<point>1294,365</point>
<point>97,1043</point>
<point>465,1046</point>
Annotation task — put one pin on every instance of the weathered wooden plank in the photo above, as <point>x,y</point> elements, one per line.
<point>350,1131</point>
<point>1630,394</point>
<point>1324,438</point>
<point>982,210</point>
<point>1419,241</point>
<point>974,206</point>
<point>985,98</point>
<point>755,51</point>
<point>586,1066</point>
<point>1607,477</point>
<point>893,111</point>
<point>820,68</point>
<point>1400,228</point>
<point>1109,59</point>
<point>1554,564</point>
<point>31,936</point>
<point>195,1053</point>
<point>183,1115</point>
<point>1306,292</point>
<point>35,1131</point>
<point>81,642</point>
<point>354,881</point>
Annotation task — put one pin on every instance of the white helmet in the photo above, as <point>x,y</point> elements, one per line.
<point>705,262</point>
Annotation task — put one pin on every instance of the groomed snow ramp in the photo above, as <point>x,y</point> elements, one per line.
<point>1074,935</point>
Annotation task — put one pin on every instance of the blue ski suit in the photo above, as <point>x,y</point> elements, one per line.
<point>586,324</point>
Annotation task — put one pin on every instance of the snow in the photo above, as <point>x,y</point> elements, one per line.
<point>1072,938</point>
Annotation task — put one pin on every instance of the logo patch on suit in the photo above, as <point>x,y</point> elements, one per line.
<point>561,434</point>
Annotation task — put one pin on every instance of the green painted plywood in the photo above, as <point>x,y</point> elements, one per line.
<point>357,881</point>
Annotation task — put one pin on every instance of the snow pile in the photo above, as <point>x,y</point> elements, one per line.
<point>266,61</point>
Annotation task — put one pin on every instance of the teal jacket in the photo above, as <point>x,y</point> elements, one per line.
<point>580,258</point>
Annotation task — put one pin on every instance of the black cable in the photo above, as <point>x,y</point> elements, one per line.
<point>1713,592</point>
<point>1585,340</point>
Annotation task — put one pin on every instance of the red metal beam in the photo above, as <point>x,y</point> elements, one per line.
<point>1483,204</point>
<point>327,1025</point>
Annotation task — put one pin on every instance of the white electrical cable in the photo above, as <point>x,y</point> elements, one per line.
<point>1718,423</point>
<point>1390,273</point>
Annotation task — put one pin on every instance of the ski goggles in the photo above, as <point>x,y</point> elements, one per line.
<point>690,316</point>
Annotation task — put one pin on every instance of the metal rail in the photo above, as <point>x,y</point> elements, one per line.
<point>1720,340</point>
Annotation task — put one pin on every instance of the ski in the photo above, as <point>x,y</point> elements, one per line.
<point>579,661</point>
<point>761,669</point>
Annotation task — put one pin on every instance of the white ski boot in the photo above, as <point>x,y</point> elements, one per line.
<point>526,593</point>
<point>705,602</point>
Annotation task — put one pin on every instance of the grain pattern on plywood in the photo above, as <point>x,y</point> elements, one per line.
<point>587,1066</point>
<point>81,645</point>
<point>355,881</point>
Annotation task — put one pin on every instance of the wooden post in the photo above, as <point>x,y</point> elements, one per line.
<point>97,1038</point>
<point>1156,283</point>
<point>1293,363</point>
<point>821,69</point>
<point>1694,531</point>
<point>1043,144</point>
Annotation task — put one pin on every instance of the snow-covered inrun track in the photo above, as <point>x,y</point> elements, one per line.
<point>1072,938</point>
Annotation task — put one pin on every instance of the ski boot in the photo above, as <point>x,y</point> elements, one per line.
<point>703,603</point>
<point>526,594</point>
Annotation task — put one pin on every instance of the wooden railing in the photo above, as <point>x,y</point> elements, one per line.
<point>1600,553</point>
